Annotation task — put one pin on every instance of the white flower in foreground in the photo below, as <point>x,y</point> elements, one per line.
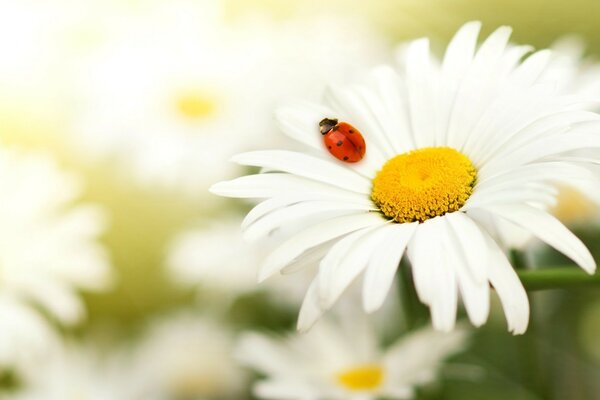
<point>179,91</point>
<point>48,249</point>
<point>187,357</point>
<point>346,362</point>
<point>449,145</point>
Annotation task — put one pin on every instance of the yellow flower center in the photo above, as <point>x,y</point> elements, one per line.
<point>423,184</point>
<point>196,105</point>
<point>364,377</point>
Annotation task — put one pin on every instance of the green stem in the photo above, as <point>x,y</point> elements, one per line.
<point>557,278</point>
<point>517,259</point>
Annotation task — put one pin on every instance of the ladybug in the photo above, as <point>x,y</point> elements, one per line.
<point>342,140</point>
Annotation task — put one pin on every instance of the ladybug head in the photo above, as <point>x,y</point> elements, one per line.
<point>327,124</point>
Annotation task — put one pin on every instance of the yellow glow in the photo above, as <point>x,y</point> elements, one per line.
<point>197,105</point>
<point>364,377</point>
<point>423,184</point>
<point>573,206</point>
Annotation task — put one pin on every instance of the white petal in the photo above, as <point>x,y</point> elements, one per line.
<point>275,203</point>
<point>581,136</point>
<point>311,310</point>
<point>295,246</point>
<point>277,184</point>
<point>548,229</point>
<point>390,88</point>
<point>263,354</point>
<point>532,68</point>
<point>509,288</point>
<point>434,280</point>
<point>457,61</point>
<point>307,166</point>
<point>551,171</point>
<point>346,260</point>
<point>296,212</point>
<point>420,353</point>
<point>528,193</point>
<point>492,48</point>
<point>421,253</point>
<point>420,83</point>
<point>460,50</point>
<point>300,121</point>
<point>284,390</point>
<point>471,240</point>
<point>476,295</point>
<point>351,108</point>
<point>478,88</point>
<point>382,267</point>
<point>60,300</point>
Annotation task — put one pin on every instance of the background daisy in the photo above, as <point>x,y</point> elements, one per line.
<point>186,90</point>
<point>216,258</point>
<point>186,356</point>
<point>344,359</point>
<point>49,249</point>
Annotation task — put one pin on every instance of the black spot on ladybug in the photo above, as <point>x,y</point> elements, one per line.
<point>329,147</point>
<point>350,131</point>
<point>339,143</point>
<point>345,158</point>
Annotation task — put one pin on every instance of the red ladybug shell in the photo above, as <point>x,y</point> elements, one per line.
<point>342,140</point>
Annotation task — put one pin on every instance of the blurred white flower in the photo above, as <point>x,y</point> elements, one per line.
<point>77,372</point>
<point>184,356</point>
<point>344,360</point>
<point>178,91</point>
<point>25,336</point>
<point>48,248</point>
<point>217,259</point>
<point>571,70</point>
<point>577,203</point>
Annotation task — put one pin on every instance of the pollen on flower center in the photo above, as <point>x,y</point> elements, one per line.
<point>364,377</point>
<point>196,105</point>
<point>423,184</point>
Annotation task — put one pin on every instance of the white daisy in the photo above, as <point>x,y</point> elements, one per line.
<point>76,372</point>
<point>25,336</point>
<point>48,249</point>
<point>186,357</point>
<point>179,91</point>
<point>451,146</point>
<point>345,361</point>
<point>577,203</point>
<point>218,260</point>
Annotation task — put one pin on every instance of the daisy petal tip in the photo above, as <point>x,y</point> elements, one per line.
<point>263,274</point>
<point>237,158</point>
<point>371,305</point>
<point>370,308</point>
<point>590,267</point>
<point>474,25</point>
<point>518,331</point>
<point>216,188</point>
<point>304,324</point>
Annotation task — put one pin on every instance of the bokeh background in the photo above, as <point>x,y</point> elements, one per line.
<point>146,100</point>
